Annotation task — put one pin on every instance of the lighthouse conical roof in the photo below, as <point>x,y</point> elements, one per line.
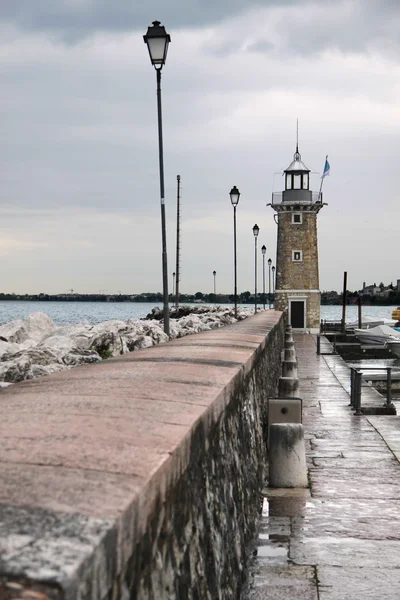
<point>297,164</point>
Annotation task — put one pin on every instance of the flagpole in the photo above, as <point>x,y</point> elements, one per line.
<point>322,181</point>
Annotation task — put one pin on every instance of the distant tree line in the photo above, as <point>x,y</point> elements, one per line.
<point>243,298</point>
<point>333,297</point>
<point>247,297</point>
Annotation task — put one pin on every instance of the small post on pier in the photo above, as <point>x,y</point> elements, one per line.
<point>357,396</point>
<point>388,386</point>
<point>344,301</point>
<point>359,302</point>
<point>318,344</point>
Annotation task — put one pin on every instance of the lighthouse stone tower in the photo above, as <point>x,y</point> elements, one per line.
<point>297,278</point>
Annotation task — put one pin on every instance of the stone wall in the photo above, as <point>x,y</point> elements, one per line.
<point>301,275</point>
<point>298,277</point>
<point>168,510</point>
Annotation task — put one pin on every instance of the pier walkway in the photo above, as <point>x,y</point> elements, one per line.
<point>340,538</point>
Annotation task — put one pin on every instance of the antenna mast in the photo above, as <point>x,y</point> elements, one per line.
<point>178,236</point>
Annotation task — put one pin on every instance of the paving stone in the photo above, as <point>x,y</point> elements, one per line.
<point>277,583</point>
<point>358,583</point>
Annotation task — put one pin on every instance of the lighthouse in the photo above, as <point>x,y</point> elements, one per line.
<point>297,277</point>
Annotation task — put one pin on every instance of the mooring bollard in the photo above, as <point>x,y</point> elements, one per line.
<point>289,368</point>
<point>352,385</point>
<point>288,387</point>
<point>289,351</point>
<point>288,337</point>
<point>389,386</point>
<point>287,456</point>
<point>357,393</point>
<point>318,344</point>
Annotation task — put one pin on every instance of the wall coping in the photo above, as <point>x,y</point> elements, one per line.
<point>85,454</point>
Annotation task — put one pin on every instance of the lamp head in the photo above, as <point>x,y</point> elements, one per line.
<point>256,230</point>
<point>235,195</point>
<point>157,40</point>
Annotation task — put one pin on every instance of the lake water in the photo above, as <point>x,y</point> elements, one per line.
<point>96,312</point>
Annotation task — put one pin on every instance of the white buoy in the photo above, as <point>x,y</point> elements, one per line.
<point>287,456</point>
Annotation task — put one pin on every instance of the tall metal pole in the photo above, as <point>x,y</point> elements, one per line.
<point>178,235</point>
<point>344,301</point>
<point>255,274</point>
<point>162,197</point>
<point>173,283</point>
<point>269,283</point>
<point>215,286</point>
<point>273,283</point>
<point>234,259</point>
<point>263,280</point>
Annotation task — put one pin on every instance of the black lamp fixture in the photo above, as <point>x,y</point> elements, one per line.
<point>157,40</point>
<point>235,195</point>
<point>256,231</point>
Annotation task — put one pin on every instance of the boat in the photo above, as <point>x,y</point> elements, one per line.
<point>394,347</point>
<point>369,322</point>
<point>377,335</point>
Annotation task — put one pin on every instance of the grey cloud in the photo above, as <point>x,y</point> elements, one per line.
<point>72,21</point>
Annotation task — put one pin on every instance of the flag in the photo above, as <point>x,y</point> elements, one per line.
<point>327,169</point>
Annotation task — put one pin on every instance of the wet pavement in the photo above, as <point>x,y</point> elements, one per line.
<point>340,538</point>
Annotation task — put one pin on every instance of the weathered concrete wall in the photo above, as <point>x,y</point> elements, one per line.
<point>139,478</point>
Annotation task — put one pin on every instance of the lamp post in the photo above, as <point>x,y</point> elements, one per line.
<point>273,283</point>
<point>157,41</point>
<point>215,287</point>
<point>269,282</point>
<point>173,283</point>
<point>263,250</point>
<point>256,231</point>
<point>235,195</point>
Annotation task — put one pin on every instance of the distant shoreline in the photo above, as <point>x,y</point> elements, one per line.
<point>244,298</point>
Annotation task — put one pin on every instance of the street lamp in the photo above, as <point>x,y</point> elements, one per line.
<point>256,230</point>
<point>269,282</point>
<point>214,273</point>
<point>263,250</point>
<point>235,195</point>
<point>157,40</point>
<point>273,283</point>
<point>173,283</point>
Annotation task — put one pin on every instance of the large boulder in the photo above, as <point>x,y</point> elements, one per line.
<point>14,331</point>
<point>38,325</point>
<point>68,352</point>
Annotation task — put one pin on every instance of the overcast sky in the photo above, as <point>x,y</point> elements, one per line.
<point>79,199</point>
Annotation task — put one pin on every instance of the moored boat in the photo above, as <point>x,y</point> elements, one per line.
<point>377,335</point>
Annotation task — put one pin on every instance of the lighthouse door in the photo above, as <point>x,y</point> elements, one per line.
<point>297,314</point>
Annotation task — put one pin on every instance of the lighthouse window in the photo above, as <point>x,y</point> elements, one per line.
<point>297,182</point>
<point>297,255</point>
<point>288,181</point>
<point>297,218</point>
<point>305,181</point>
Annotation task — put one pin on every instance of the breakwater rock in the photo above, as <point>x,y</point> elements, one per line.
<point>36,346</point>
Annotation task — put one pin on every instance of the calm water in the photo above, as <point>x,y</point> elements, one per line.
<point>96,312</point>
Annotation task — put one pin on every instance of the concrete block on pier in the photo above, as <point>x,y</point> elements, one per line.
<point>287,456</point>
